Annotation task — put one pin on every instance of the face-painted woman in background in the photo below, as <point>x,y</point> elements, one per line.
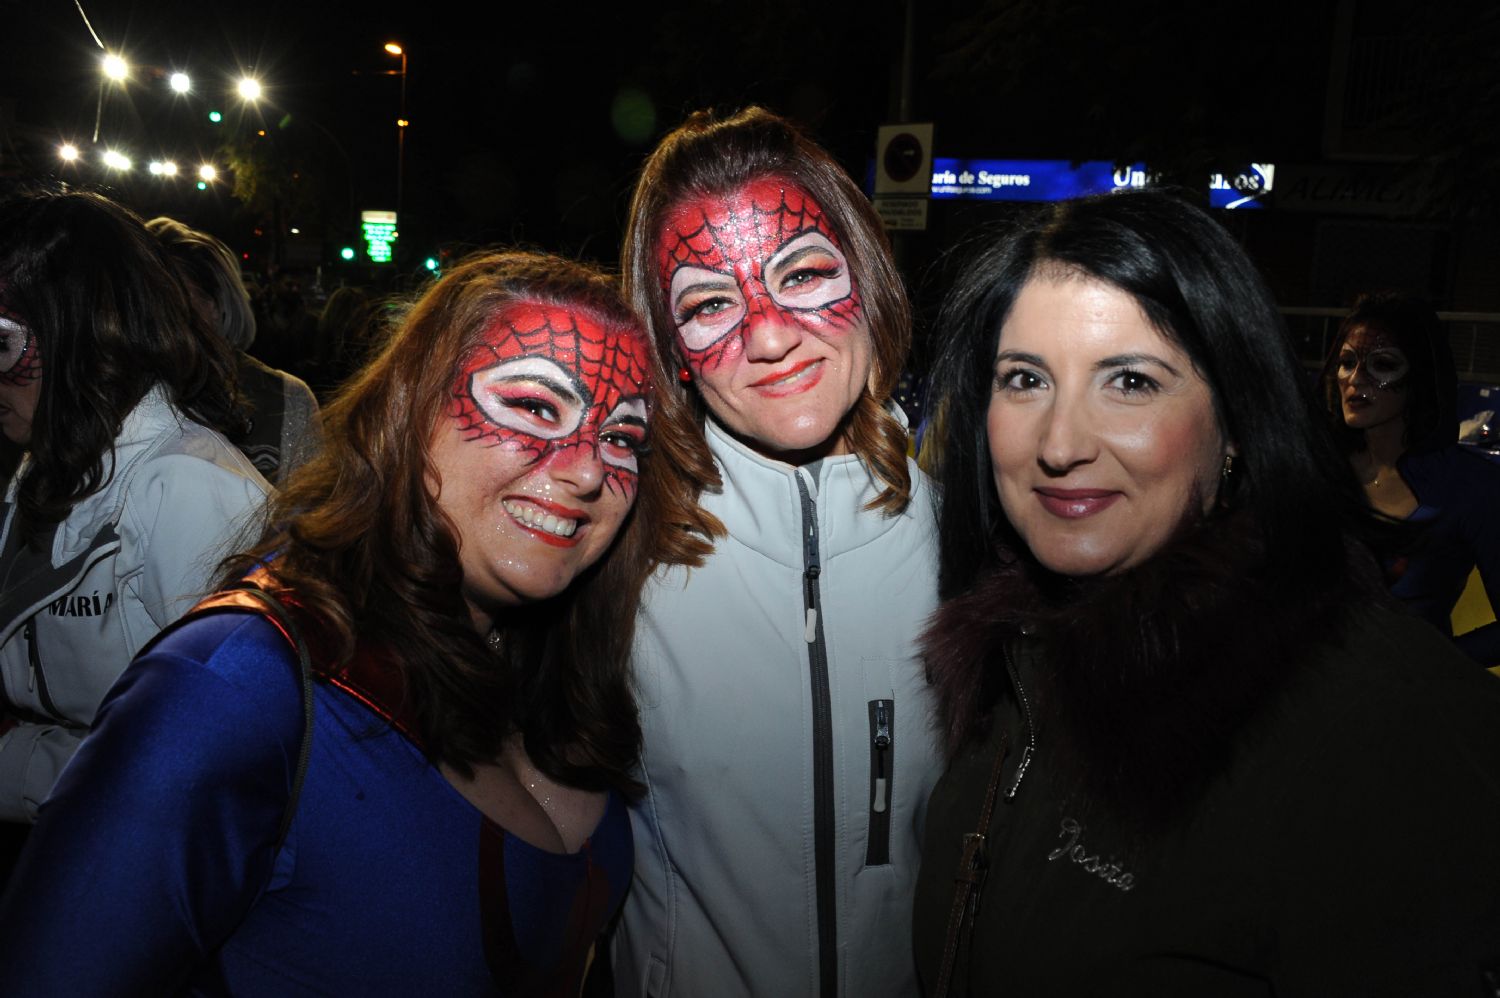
<point>463,560</point>
<point>1391,392</point>
<point>783,709</point>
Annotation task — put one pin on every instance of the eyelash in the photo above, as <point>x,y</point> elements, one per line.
<point>799,277</point>
<point>696,309</point>
<point>619,438</point>
<point>1146,385</point>
<point>1004,380</point>
<point>1128,381</point>
<point>538,408</point>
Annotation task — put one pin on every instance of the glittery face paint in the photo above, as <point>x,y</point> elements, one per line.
<point>1371,374</point>
<point>546,381</point>
<point>20,359</point>
<point>538,452</point>
<point>20,376</point>
<point>768,314</point>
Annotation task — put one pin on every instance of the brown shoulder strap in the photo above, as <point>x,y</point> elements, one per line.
<point>970,876</point>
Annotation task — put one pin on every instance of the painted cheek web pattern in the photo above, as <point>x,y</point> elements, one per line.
<point>608,368</point>
<point>28,366</point>
<point>740,244</point>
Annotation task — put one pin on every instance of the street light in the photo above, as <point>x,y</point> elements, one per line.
<point>116,69</point>
<point>395,49</point>
<point>68,152</point>
<point>116,160</point>
<point>163,168</point>
<point>208,172</point>
<point>180,82</point>
<point>248,88</point>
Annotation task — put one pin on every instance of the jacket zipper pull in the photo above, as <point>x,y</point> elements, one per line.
<point>882,743</point>
<point>810,627</point>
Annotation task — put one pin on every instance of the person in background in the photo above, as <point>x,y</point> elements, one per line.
<point>462,563</point>
<point>284,424</point>
<point>127,494</point>
<point>1192,748</point>
<point>1390,388</point>
<point>788,747</point>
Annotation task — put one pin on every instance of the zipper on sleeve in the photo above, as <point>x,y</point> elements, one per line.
<point>822,715</point>
<point>882,759</point>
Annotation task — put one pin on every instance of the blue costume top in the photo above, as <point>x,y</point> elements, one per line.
<point>1458,496</point>
<point>152,863</point>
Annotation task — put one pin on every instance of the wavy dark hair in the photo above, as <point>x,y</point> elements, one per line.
<point>111,320</point>
<point>1198,288</point>
<point>210,267</point>
<point>1291,500</point>
<point>1431,383</point>
<point>359,540</point>
<point>711,156</point>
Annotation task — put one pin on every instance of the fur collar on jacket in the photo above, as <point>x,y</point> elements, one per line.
<point>1145,679</point>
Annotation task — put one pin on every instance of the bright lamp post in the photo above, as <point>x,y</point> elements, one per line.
<point>397,50</point>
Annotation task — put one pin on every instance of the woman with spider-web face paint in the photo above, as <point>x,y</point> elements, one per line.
<point>787,754</point>
<point>1390,389</point>
<point>439,806</point>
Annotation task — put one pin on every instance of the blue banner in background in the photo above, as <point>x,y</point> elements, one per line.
<point>1059,179</point>
<point>1029,179</point>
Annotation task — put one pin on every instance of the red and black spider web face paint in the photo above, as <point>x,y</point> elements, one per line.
<point>546,381</point>
<point>20,359</point>
<point>768,222</point>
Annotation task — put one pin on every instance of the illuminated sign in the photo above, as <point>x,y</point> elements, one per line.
<point>380,232</point>
<point>1058,179</point>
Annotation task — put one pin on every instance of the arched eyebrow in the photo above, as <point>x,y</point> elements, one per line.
<point>1135,360</point>
<point>1021,357</point>
<point>723,282</point>
<point>569,393</point>
<point>779,263</point>
<point>535,369</point>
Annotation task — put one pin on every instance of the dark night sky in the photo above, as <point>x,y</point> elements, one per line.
<point>512,136</point>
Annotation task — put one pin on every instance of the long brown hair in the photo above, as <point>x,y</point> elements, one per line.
<point>707,156</point>
<point>361,543</point>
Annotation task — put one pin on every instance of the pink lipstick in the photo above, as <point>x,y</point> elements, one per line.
<point>1075,504</point>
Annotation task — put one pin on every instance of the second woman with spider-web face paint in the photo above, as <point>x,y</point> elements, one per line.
<point>787,753</point>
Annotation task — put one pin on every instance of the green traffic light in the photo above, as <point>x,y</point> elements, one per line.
<point>347,252</point>
<point>203,185</point>
<point>431,263</point>
<point>215,117</point>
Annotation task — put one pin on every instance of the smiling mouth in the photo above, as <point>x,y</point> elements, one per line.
<point>798,377</point>
<point>538,519</point>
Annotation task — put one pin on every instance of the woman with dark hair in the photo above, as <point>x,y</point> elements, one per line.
<point>127,495</point>
<point>452,564</point>
<point>1186,735</point>
<point>1390,389</point>
<point>284,429</point>
<point>788,751</point>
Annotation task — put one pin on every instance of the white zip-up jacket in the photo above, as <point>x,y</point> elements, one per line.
<point>127,561</point>
<point>789,750</point>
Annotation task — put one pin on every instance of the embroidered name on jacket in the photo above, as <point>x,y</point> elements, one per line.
<point>1105,869</point>
<point>96,605</point>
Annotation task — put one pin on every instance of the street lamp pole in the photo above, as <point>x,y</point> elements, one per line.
<point>394,49</point>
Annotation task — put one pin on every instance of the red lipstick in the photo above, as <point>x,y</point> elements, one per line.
<point>792,380</point>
